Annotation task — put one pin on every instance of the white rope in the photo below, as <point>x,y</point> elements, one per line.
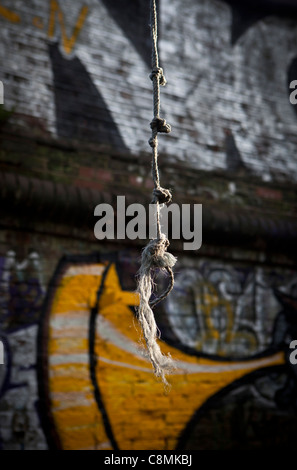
<point>155,255</point>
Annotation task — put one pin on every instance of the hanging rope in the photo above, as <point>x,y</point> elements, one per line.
<point>155,255</point>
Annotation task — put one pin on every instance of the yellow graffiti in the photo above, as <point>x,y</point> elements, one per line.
<point>141,415</point>
<point>67,42</point>
<point>9,15</point>
<point>37,22</point>
<point>55,14</point>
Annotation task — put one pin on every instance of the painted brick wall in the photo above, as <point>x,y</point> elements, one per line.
<point>73,133</point>
<point>215,88</point>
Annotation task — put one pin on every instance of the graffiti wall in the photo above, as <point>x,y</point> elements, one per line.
<point>83,73</point>
<point>228,328</point>
<point>21,293</point>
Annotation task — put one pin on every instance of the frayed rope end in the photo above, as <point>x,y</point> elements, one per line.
<point>154,255</point>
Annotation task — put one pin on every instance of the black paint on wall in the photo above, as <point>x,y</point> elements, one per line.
<point>234,160</point>
<point>93,363</point>
<point>244,416</point>
<point>245,14</point>
<point>81,112</point>
<point>133,17</point>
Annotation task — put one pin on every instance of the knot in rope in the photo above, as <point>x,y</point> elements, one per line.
<point>158,73</point>
<point>155,255</point>
<point>153,142</point>
<point>160,125</point>
<point>161,195</point>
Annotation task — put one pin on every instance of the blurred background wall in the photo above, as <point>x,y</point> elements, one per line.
<point>74,127</point>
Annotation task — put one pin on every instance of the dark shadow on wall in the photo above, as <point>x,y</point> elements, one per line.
<point>259,410</point>
<point>244,416</point>
<point>133,17</point>
<point>81,112</point>
<point>234,162</point>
